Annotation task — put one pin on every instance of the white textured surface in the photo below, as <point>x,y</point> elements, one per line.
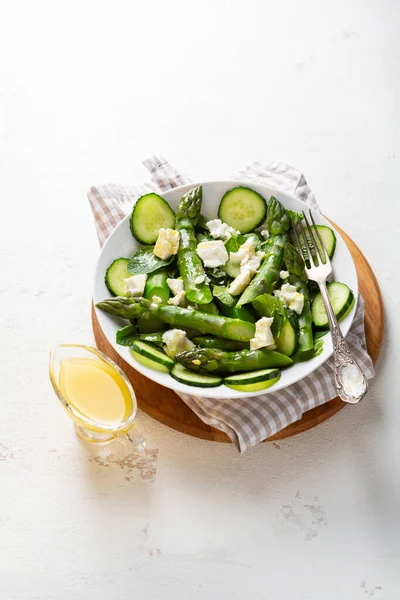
<point>87,90</point>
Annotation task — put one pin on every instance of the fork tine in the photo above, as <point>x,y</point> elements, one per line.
<point>305,242</point>
<point>319,237</point>
<point>317,257</point>
<point>297,240</point>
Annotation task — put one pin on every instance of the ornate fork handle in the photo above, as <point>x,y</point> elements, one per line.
<point>350,381</point>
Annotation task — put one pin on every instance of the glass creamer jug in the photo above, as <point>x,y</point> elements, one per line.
<point>95,393</point>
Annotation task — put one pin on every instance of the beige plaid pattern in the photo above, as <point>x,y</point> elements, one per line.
<point>246,422</point>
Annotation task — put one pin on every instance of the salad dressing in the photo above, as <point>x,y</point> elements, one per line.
<point>95,389</point>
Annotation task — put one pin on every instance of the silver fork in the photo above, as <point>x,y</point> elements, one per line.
<point>351,383</point>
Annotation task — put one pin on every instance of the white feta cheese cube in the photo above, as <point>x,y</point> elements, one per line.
<point>263,336</point>
<point>135,285</point>
<point>156,300</point>
<point>175,285</point>
<point>240,283</point>
<point>213,254</point>
<point>265,234</point>
<point>252,262</point>
<point>175,341</point>
<point>167,243</point>
<point>289,296</point>
<point>220,230</point>
<point>297,304</point>
<point>284,274</point>
<point>246,249</point>
<point>286,294</point>
<point>214,227</point>
<point>179,299</point>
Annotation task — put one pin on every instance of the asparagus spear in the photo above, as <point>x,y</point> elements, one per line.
<point>278,220</point>
<point>306,340</point>
<point>227,305</point>
<point>131,308</point>
<point>268,275</point>
<point>189,262</point>
<point>237,312</point>
<point>156,285</point>
<point>295,266</point>
<point>209,341</point>
<point>211,359</point>
<point>210,308</point>
<point>278,224</point>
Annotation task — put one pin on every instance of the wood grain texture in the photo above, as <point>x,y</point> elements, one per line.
<point>166,407</point>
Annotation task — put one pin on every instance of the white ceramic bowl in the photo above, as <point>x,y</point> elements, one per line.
<point>121,243</point>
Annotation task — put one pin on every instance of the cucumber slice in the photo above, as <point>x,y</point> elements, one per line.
<point>231,268</point>
<point>149,215</point>
<point>288,338</point>
<point>342,300</point>
<point>253,381</point>
<point>191,378</point>
<point>242,208</point>
<point>327,236</point>
<point>147,362</point>
<point>157,357</point>
<point>252,376</point>
<point>115,277</point>
<point>253,387</point>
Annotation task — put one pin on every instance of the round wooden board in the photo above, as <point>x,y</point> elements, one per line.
<point>164,405</point>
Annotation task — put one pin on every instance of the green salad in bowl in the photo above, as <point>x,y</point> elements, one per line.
<point>215,297</point>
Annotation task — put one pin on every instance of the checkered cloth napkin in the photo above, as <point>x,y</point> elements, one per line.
<point>249,421</point>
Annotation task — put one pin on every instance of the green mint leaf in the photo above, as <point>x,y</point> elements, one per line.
<point>145,261</point>
<point>221,293</point>
<point>126,336</point>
